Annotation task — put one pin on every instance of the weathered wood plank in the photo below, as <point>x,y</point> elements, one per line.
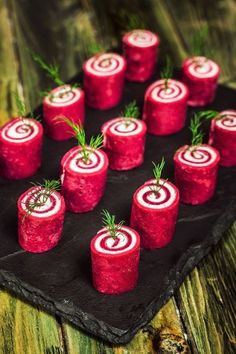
<point>207,300</point>
<point>26,330</point>
<point>164,334</point>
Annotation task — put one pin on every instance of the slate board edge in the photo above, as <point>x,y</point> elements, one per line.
<point>101,329</point>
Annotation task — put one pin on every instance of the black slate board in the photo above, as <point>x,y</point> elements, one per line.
<point>60,280</point>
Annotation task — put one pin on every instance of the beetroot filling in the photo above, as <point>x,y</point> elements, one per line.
<point>141,61</point>
<point>225,142</point>
<point>155,226</point>
<point>196,184</point>
<point>75,111</point>
<point>20,160</point>
<point>103,92</point>
<point>115,273</point>
<point>39,234</point>
<point>82,190</point>
<point>164,118</point>
<point>124,152</point>
<point>202,90</point>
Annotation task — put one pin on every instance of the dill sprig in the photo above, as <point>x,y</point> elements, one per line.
<point>79,134</point>
<point>130,111</point>
<point>198,42</point>
<point>40,195</point>
<point>94,48</point>
<point>20,105</point>
<point>108,221</point>
<point>157,172</point>
<point>209,115</point>
<point>129,21</point>
<point>197,134</point>
<point>167,72</point>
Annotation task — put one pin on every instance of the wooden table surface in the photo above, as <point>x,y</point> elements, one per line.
<point>199,318</point>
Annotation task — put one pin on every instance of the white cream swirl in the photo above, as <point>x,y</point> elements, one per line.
<point>37,202</point>
<point>202,67</point>
<point>175,91</point>
<point>153,197</point>
<point>119,127</point>
<point>63,96</point>
<point>198,156</point>
<point>142,38</point>
<point>105,64</point>
<point>228,120</point>
<point>20,130</point>
<point>125,241</point>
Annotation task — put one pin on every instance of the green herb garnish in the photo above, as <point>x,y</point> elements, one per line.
<point>20,105</point>
<point>79,134</point>
<point>208,115</point>
<point>167,72</point>
<point>40,195</point>
<point>52,70</point>
<point>198,43</point>
<point>157,172</point>
<point>94,48</point>
<point>109,223</point>
<point>197,134</point>
<point>130,111</point>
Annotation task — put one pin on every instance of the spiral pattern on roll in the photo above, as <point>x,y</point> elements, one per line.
<point>198,156</point>
<point>124,241</point>
<point>38,202</point>
<point>156,197</point>
<point>119,126</point>
<point>63,95</point>
<point>202,67</point>
<point>20,130</point>
<point>76,163</point>
<point>228,120</point>
<point>105,64</point>
<point>175,91</point>
<point>142,38</point>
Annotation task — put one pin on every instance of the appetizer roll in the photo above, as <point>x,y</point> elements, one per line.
<point>223,137</point>
<point>83,179</point>
<point>165,108</point>
<point>115,260</point>
<point>196,170</point>
<point>140,48</point>
<point>63,102</point>
<point>154,213</point>
<point>200,74</point>
<point>104,80</point>
<point>40,219</point>
<point>124,142</point>
<point>20,148</point>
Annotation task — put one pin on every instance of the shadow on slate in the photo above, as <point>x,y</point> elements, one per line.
<point>60,280</point>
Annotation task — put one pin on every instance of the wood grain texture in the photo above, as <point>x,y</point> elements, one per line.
<point>205,303</point>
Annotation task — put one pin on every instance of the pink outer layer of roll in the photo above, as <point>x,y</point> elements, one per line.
<point>20,148</point>
<point>104,80</point>
<point>200,75</point>
<point>63,102</point>
<point>40,229</point>
<point>196,173</point>
<point>165,110</point>
<point>140,48</point>
<point>154,217</point>
<point>115,261</point>
<point>83,185</point>
<point>223,137</point>
<point>124,144</point>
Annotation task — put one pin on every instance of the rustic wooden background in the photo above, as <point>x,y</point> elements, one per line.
<point>200,317</point>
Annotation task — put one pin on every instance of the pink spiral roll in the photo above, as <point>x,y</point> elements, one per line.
<point>40,228</point>
<point>124,143</point>
<point>165,109</point>
<point>200,74</point>
<point>154,214</point>
<point>83,184</point>
<point>196,171</point>
<point>140,48</point>
<point>20,148</point>
<point>115,262</point>
<point>223,137</point>
<point>104,80</point>
<point>63,102</point>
